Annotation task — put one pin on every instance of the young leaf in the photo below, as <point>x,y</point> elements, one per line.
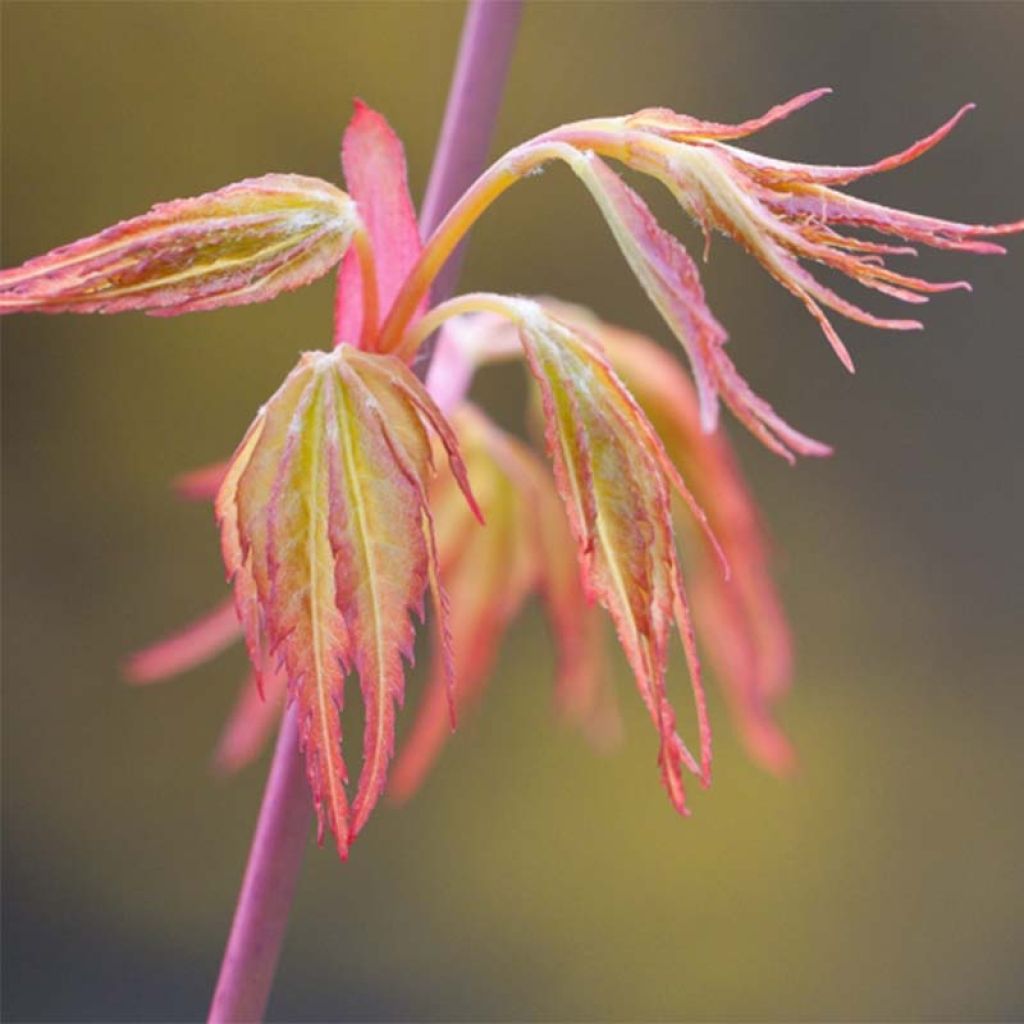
<point>615,480</point>
<point>783,213</point>
<point>670,279</point>
<point>487,575</point>
<point>248,242</point>
<point>373,163</point>
<point>740,618</point>
<point>190,646</point>
<point>327,535</point>
<point>201,483</point>
<point>251,722</point>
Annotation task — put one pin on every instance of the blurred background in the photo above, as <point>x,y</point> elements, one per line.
<point>531,878</point>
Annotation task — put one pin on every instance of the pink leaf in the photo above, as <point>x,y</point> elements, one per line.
<point>741,617</point>
<point>200,484</point>
<point>196,643</point>
<point>487,575</point>
<point>682,126</point>
<point>251,721</point>
<point>615,480</point>
<point>669,277</point>
<point>374,166</point>
<point>783,213</point>
<point>325,535</point>
<point>248,242</point>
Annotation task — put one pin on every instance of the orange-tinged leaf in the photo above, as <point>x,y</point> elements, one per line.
<point>324,531</point>
<point>583,691</point>
<point>669,277</point>
<point>747,639</point>
<point>616,482</point>
<point>248,242</point>
<point>487,574</point>
<point>583,686</point>
<point>783,212</point>
<point>740,618</point>
<point>683,127</point>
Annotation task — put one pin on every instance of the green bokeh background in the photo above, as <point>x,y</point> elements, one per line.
<point>531,879</point>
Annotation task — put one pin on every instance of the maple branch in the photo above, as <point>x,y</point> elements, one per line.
<point>485,51</point>
<point>275,858</point>
<point>474,97</point>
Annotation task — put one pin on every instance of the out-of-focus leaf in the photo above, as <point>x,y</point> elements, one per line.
<point>739,618</point>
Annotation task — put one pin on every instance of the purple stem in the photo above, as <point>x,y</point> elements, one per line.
<point>485,51</point>
<point>474,98</point>
<point>275,857</point>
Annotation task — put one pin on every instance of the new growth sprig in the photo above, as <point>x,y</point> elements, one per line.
<point>358,489</point>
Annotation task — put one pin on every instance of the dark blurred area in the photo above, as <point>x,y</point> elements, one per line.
<point>532,878</point>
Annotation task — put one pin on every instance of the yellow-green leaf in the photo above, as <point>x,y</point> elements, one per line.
<point>327,536</point>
